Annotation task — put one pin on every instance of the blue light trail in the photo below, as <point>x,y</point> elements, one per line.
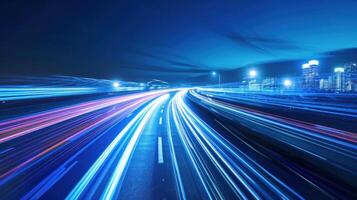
<point>201,143</point>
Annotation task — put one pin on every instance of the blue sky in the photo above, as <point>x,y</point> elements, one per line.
<point>139,40</point>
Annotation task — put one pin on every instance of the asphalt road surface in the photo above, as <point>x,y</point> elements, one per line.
<point>179,144</point>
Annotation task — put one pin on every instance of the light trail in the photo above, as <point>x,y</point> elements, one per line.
<point>295,101</point>
<point>180,144</point>
<point>340,134</point>
<point>124,160</point>
<point>11,129</point>
<point>78,132</point>
<point>138,122</point>
<point>314,143</point>
<point>225,156</point>
<point>26,88</point>
<point>82,122</point>
<point>21,93</point>
<point>180,190</point>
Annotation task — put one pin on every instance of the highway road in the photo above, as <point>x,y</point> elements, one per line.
<point>178,144</point>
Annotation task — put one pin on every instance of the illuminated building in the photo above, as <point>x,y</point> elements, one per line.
<point>350,72</point>
<point>325,84</point>
<point>268,83</point>
<point>310,73</point>
<point>253,85</point>
<point>339,79</point>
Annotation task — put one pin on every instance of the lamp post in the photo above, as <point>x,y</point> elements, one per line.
<point>252,82</point>
<point>252,73</point>
<point>287,83</point>
<point>116,84</point>
<point>214,73</point>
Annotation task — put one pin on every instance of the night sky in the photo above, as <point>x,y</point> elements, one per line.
<point>173,40</point>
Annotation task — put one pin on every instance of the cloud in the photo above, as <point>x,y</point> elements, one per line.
<point>158,68</point>
<point>264,45</point>
<point>177,61</point>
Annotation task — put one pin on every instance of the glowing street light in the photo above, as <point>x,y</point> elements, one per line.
<point>116,84</point>
<point>214,73</point>
<point>252,73</point>
<point>287,83</point>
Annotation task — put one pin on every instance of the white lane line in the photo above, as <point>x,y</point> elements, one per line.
<point>160,122</point>
<point>142,118</point>
<point>160,155</point>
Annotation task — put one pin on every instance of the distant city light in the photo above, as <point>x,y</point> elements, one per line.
<point>214,73</point>
<point>339,69</point>
<point>287,83</point>
<point>116,84</point>
<point>313,62</point>
<point>306,65</point>
<point>252,73</point>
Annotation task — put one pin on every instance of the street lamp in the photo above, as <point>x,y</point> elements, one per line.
<point>287,83</point>
<point>214,73</point>
<point>252,73</point>
<point>116,84</point>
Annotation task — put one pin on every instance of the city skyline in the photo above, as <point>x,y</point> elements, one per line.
<point>311,78</point>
